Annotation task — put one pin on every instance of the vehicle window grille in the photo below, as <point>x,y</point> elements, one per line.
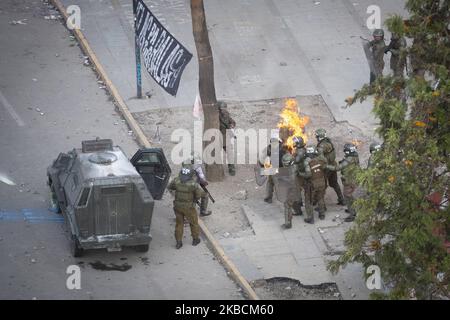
<point>84,197</point>
<point>114,190</point>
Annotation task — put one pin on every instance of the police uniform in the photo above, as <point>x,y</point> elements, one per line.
<point>200,178</point>
<point>377,48</point>
<point>315,185</point>
<point>226,123</point>
<point>346,166</point>
<point>186,195</point>
<point>398,61</point>
<point>326,147</point>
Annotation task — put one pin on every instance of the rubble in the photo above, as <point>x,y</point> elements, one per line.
<point>16,22</point>
<point>52,17</point>
<point>240,195</point>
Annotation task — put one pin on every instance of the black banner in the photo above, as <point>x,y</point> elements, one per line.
<point>164,57</point>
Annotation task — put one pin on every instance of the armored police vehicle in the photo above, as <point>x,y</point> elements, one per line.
<point>106,199</point>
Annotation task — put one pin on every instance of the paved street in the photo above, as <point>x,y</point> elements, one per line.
<point>49,103</point>
<point>263,49</point>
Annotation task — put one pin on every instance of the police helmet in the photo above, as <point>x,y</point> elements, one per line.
<point>299,142</point>
<point>321,134</point>
<point>222,104</point>
<point>186,174</point>
<point>350,149</point>
<point>311,151</point>
<point>287,160</point>
<point>378,33</point>
<point>374,147</point>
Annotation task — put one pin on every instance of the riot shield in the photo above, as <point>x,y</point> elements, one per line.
<point>259,177</point>
<point>369,57</point>
<point>286,187</point>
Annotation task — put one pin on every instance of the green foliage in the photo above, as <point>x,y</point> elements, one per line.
<point>400,227</point>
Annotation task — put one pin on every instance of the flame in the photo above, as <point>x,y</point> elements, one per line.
<point>293,122</point>
<point>357,142</point>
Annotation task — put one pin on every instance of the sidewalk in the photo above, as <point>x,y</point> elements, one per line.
<point>299,253</point>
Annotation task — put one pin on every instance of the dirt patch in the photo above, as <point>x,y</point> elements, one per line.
<point>227,219</point>
<point>291,289</point>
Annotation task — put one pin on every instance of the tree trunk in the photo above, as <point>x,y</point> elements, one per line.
<point>214,172</point>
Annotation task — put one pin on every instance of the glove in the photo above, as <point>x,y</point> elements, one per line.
<point>204,183</point>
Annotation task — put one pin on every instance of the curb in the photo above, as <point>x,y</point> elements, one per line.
<point>144,142</point>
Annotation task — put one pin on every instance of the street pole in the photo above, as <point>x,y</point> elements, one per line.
<point>137,50</point>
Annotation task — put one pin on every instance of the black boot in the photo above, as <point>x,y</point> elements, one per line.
<point>179,244</point>
<point>309,220</point>
<point>287,225</point>
<point>231,169</point>
<point>297,209</point>
<point>205,213</point>
<point>195,241</point>
<point>268,200</point>
<point>349,218</point>
<point>341,202</point>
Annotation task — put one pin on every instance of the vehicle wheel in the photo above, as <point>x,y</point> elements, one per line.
<point>142,248</point>
<point>77,251</point>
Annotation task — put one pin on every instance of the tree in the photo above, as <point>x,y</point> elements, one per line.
<point>402,224</point>
<point>214,172</point>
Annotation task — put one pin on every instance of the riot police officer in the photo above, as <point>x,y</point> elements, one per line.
<point>374,148</point>
<point>195,164</point>
<point>315,183</point>
<point>347,166</point>
<point>299,158</point>
<point>326,147</point>
<point>187,193</point>
<point>288,161</point>
<point>377,47</point>
<point>398,58</point>
<point>226,123</point>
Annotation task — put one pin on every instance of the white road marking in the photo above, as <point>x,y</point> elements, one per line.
<point>11,110</point>
<point>5,179</point>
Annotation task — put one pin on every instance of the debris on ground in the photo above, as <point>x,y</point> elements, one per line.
<point>52,17</point>
<point>290,289</point>
<point>240,195</point>
<point>98,265</point>
<point>16,22</point>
